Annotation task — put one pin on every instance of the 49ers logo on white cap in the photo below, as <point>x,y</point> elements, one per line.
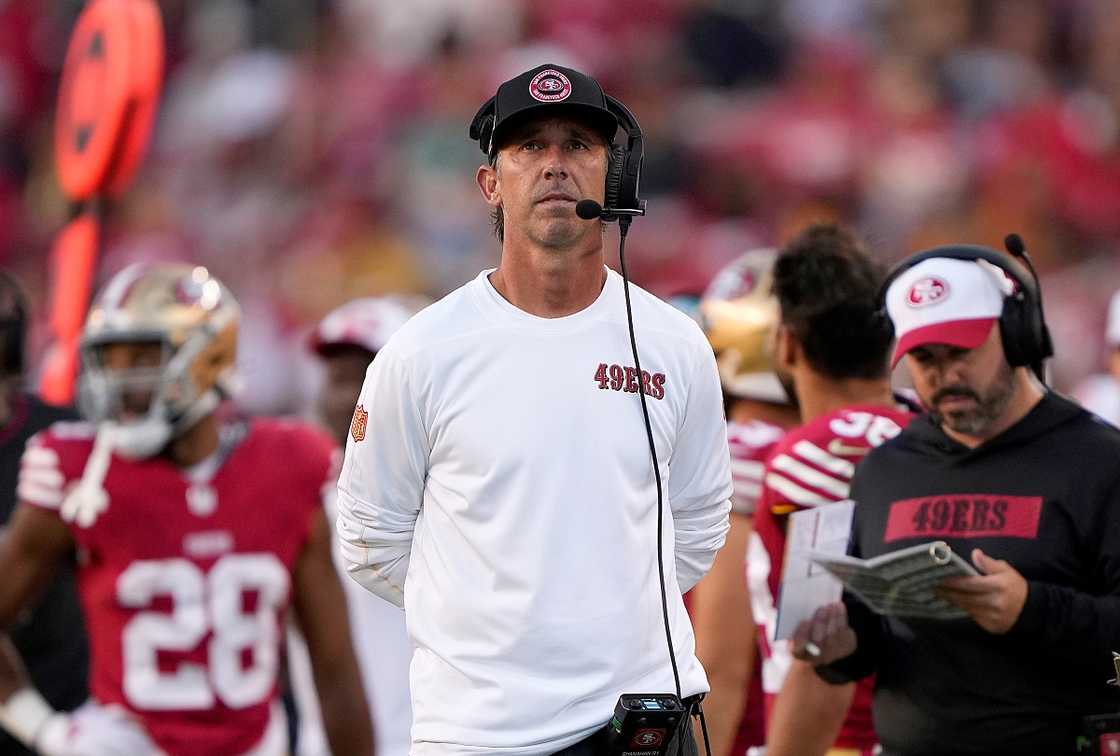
<point>927,291</point>
<point>550,86</point>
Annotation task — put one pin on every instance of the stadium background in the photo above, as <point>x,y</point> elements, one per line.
<point>311,151</point>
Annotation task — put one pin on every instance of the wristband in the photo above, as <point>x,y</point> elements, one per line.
<point>53,738</point>
<point>24,715</point>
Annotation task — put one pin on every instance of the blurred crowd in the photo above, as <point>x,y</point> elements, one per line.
<point>309,152</point>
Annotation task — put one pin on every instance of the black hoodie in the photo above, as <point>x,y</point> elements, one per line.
<point>1045,496</point>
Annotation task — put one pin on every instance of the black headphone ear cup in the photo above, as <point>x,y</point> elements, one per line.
<point>1021,342</point>
<point>486,133</point>
<point>482,125</point>
<point>614,175</point>
<point>1031,333</point>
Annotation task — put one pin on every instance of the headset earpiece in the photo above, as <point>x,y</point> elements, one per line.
<point>482,126</point>
<point>1021,329</point>
<point>625,173</point>
<point>614,176</point>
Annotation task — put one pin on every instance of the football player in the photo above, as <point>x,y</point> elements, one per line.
<point>347,341</point>
<point>831,350</point>
<point>739,314</point>
<point>195,534</point>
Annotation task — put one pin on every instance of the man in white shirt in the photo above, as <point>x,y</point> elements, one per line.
<point>497,480</point>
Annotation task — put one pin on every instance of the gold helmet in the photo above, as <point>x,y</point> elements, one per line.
<point>739,315</point>
<point>193,318</point>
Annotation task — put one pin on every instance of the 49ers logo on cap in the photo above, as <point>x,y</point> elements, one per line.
<point>927,291</point>
<point>550,86</point>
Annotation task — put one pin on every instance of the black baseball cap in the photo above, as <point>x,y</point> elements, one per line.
<point>546,86</point>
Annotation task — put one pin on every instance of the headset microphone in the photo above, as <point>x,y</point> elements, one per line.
<point>589,209</point>
<point>1013,243</point>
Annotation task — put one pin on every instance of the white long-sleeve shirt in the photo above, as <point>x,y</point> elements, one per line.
<point>502,490</point>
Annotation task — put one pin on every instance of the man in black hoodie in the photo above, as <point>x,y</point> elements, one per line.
<point>1020,480</point>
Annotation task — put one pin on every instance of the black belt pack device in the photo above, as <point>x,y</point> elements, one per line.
<point>644,724</point>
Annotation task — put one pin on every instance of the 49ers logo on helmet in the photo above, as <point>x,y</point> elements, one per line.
<point>734,283</point>
<point>927,291</point>
<point>550,86</point>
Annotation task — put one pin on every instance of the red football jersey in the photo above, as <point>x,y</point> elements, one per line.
<point>813,465</point>
<point>751,443</point>
<point>186,577</point>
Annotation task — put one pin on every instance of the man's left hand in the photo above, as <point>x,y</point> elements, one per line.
<point>994,599</point>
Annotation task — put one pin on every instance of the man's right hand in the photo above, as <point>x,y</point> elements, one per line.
<point>825,637</point>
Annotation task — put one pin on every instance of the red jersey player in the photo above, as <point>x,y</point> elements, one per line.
<point>832,349</point>
<point>194,538</point>
<point>739,314</point>
<point>812,466</point>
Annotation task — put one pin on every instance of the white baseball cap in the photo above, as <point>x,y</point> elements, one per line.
<point>946,301</point>
<point>1112,331</point>
<point>367,323</point>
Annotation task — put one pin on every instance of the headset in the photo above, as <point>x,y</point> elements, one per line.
<point>1022,323</point>
<point>624,166</point>
<point>13,328</point>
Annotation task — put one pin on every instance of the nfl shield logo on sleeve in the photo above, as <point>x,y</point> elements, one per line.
<point>358,424</point>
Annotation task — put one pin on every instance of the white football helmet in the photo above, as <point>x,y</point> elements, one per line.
<point>367,322</point>
<point>193,318</point>
<point>739,314</point>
